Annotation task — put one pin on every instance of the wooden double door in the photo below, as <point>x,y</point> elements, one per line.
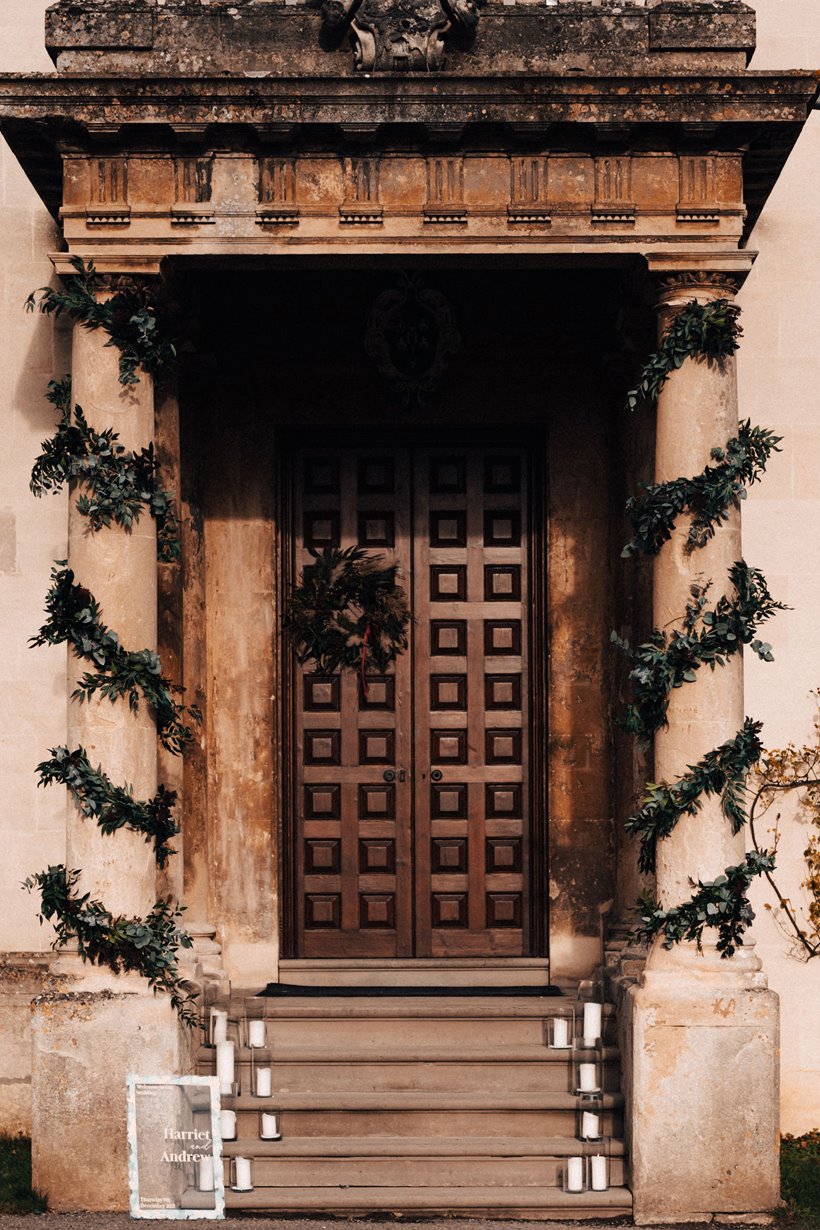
<point>410,806</point>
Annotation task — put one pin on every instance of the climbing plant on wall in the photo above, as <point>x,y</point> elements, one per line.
<point>115,487</point>
<point>707,636</point>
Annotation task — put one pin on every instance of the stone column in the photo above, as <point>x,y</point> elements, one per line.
<point>703,1070</point>
<point>101,1026</point>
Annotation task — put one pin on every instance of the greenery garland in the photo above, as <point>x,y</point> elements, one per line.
<point>113,807</point>
<point>721,772</point>
<point>708,331</point>
<point>147,945</point>
<point>708,496</point>
<point>708,638</point>
<point>74,619</point>
<point>722,903</point>
<point>348,612</point>
<point>129,316</point>
<point>118,484</point>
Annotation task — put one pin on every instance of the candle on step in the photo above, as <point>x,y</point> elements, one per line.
<point>263,1082</point>
<point>599,1183</point>
<point>225,1066</point>
<point>592,1023</point>
<point>560,1031</point>
<point>270,1127</point>
<point>590,1126</point>
<point>243,1174</point>
<point>575,1174</point>
<point>256,1033</point>
<point>205,1174</point>
<point>227,1124</point>
<point>219,1025</point>
<point>587,1078</point>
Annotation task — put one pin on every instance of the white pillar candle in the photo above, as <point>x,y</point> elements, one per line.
<point>592,1023</point>
<point>560,1031</point>
<point>243,1174</point>
<point>256,1033</point>
<point>227,1124</point>
<point>575,1174</point>
<point>205,1174</point>
<point>225,1066</point>
<point>270,1127</point>
<point>599,1183</point>
<point>587,1077</point>
<point>219,1025</point>
<point>590,1126</point>
<point>263,1082</point>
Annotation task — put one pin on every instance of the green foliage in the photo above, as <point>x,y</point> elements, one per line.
<point>800,1179</point>
<point>708,496</point>
<point>348,612</point>
<point>113,807</point>
<point>720,904</point>
<point>148,945</point>
<point>708,331</point>
<point>74,619</point>
<point>16,1192</point>
<point>129,317</point>
<point>707,638</point>
<point>117,484</point>
<point>721,772</point>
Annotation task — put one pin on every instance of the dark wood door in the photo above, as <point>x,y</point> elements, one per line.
<point>410,807</point>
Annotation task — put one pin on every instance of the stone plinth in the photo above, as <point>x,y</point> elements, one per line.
<point>85,1043</point>
<point>705,1091</point>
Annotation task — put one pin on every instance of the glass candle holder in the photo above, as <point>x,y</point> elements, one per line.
<point>586,1074</point>
<point>589,1118</point>
<point>575,1176</point>
<point>598,1172</point>
<point>561,1030</point>
<point>269,1126</point>
<point>592,1024</point>
<point>241,1174</point>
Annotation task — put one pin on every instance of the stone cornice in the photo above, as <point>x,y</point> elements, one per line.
<point>417,98</point>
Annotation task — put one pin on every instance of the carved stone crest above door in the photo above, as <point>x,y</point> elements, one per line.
<point>399,35</point>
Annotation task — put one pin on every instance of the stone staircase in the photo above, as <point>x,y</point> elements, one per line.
<point>419,1106</point>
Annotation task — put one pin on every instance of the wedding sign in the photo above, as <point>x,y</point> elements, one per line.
<point>174,1147</point>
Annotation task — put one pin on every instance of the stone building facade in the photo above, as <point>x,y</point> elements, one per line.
<point>294,180</point>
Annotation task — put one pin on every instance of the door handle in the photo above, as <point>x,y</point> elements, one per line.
<point>389,775</point>
<point>436,775</point>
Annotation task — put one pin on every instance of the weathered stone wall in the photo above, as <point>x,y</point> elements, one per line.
<point>779,374</point>
<point>32,533</point>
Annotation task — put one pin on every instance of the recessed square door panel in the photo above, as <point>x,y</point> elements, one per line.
<point>411,790</point>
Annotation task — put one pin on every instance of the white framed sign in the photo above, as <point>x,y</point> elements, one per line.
<point>174,1147</point>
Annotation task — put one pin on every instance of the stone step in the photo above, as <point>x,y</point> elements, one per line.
<point>420,1114</point>
<point>412,1171</point>
<point>392,1022</point>
<point>417,1146</point>
<point>515,1069</point>
<point>445,971</point>
<point>541,1203</point>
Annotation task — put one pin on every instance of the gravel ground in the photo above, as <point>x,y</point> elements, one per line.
<point>250,1221</point>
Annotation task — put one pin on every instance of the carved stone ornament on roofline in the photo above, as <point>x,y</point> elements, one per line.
<point>398,35</point>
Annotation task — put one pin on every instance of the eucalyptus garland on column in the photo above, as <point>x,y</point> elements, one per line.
<point>707,637</point>
<point>116,486</point>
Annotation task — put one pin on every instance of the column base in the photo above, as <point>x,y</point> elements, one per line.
<point>85,1042</point>
<point>704,1088</point>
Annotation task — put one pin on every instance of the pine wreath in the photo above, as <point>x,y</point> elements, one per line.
<point>348,612</point>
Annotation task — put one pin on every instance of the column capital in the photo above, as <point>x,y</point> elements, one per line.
<point>683,276</point>
<point>109,264</point>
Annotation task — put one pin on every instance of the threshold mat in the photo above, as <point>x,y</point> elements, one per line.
<point>282,990</point>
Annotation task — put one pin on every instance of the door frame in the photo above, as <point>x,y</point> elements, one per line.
<point>535,441</point>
